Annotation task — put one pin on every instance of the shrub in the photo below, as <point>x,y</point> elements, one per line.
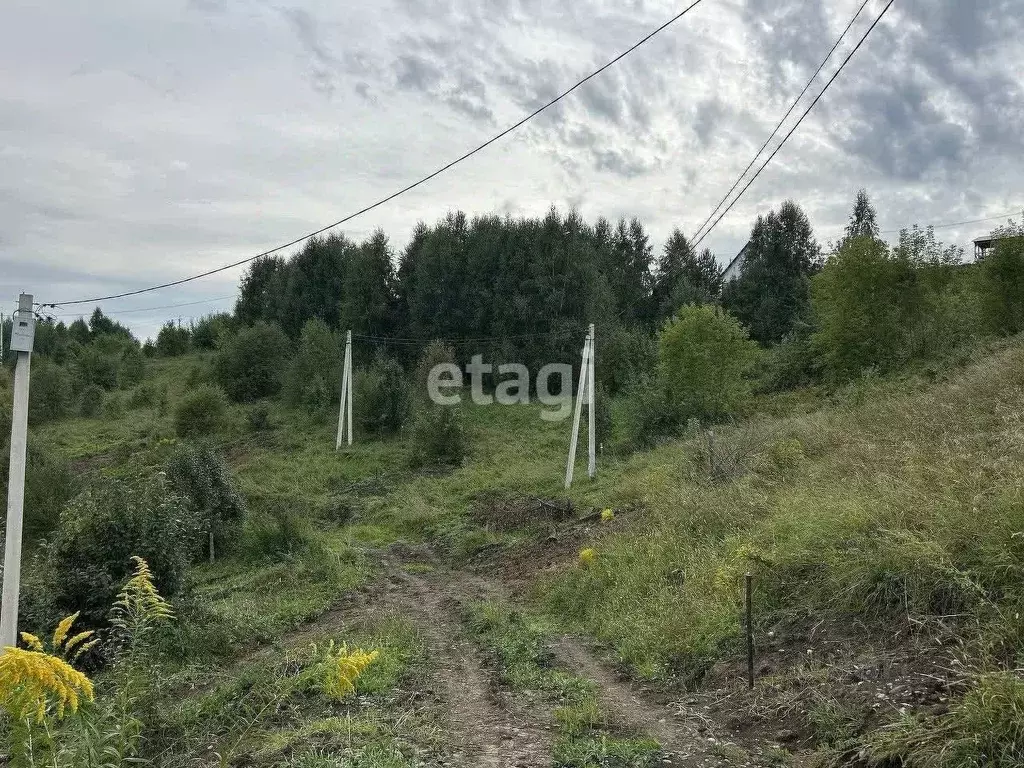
<point>1001,284</point>
<point>648,415</point>
<point>49,484</point>
<point>792,363</point>
<point>173,340</point>
<point>438,436</point>
<point>436,353</point>
<point>381,397</point>
<point>198,474</point>
<point>90,402</point>
<point>113,407</point>
<point>313,381</point>
<point>704,361</point>
<point>204,412</point>
<point>143,396</point>
<point>626,355</point>
<point>89,556</point>
<point>208,331</point>
<point>49,392</point>
<point>258,418</point>
<point>249,365</point>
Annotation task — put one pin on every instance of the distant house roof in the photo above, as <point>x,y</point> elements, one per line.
<point>984,244</point>
<point>735,267</point>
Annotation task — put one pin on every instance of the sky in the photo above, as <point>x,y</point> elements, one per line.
<point>145,142</point>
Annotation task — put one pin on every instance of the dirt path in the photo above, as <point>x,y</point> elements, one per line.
<point>487,732</point>
<point>686,741</point>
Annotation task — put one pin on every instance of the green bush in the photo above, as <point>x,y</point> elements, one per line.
<point>258,418</point>
<point>199,475</point>
<point>49,484</point>
<point>705,359</point>
<point>173,340</point>
<point>436,353</point>
<point>249,365</point>
<point>648,416</point>
<point>88,559</point>
<point>381,397</point>
<point>792,363</point>
<point>626,355</point>
<point>438,436</point>
<point>90,402</point>
<point>313,381</point>
<point>50,395</point>
<point>203,412</point>
<point>1001,284</point>
<point>209,331</point>
<point>143,396</point>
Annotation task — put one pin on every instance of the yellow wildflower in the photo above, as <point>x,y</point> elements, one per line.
<point>342,668</point>
<point>60,634</point>
<point>33,642</point>
<point>31,681</point>
<point>587,556</point>
<point>607,515</point>
<point>139,606</point>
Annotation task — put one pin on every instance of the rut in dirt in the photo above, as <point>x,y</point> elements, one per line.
<point>488,732</point>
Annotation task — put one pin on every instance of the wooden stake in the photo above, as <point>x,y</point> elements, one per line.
<point>748,580</point>
<point>591,436</point>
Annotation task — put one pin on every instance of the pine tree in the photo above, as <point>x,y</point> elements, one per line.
<point>684,276</point>
<point>863,219</point>
<point>772,295</point>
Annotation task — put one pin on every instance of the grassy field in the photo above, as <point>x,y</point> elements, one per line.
<point>883,525</point>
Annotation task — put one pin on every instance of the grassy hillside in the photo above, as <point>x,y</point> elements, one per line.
<point>883,525</point>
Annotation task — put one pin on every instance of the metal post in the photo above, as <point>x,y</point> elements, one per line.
<point>16,476</point>
<point>591,434</point>
<point>580,393</point>
<point>748,581</point>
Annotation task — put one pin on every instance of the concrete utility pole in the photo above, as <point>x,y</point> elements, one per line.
<point>23,330</point>
<point>345,410</point>
<point>581,395</point>
<point>591,427</point>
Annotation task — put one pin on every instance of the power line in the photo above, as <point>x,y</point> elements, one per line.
<point>403,190</point>
<point>798,122</point>
<point>150,309</point>
<point>956,223</point>
<point>785,117</point>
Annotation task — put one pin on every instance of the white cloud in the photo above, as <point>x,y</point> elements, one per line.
<point>140,143</point>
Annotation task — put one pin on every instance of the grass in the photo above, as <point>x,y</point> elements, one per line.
<point>905,504</point>
<point>891,502</point>
<point>585,738</point>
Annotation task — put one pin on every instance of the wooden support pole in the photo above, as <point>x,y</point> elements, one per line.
<point>591,428</point>
<point>748,583</point>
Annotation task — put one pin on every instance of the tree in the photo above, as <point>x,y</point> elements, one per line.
<point>368,291</point>
<point>684,277</point>
<point>198,474</point>
<point>863,220</point>
<point>1001,281</point>
<point>250,364</point>
<point>771,297</point>
<point>173,340</point>
<point>313,380</point>
<point>261,291</point>
<point>704,361</point>
<point>866,302</point>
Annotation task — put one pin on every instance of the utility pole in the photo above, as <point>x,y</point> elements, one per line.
<point>345,410</point>
<point>581,395</point>
<point>23,328</point>
<point>591,426</point>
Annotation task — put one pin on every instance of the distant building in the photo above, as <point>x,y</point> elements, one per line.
<point>985,244</point>
<point>735,267</point>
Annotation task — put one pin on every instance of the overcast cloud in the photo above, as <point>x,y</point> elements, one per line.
<point>142,142</point>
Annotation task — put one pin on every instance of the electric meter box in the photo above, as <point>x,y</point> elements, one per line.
<point>23,327</point>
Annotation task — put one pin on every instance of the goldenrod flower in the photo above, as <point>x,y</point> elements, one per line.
<point>33,642</point>
<point>587,556</point>
<point>61,633</point>
<point>31,681</point>
<point>342,668</point>
<point>139,606</point>
<point>607,515</point>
